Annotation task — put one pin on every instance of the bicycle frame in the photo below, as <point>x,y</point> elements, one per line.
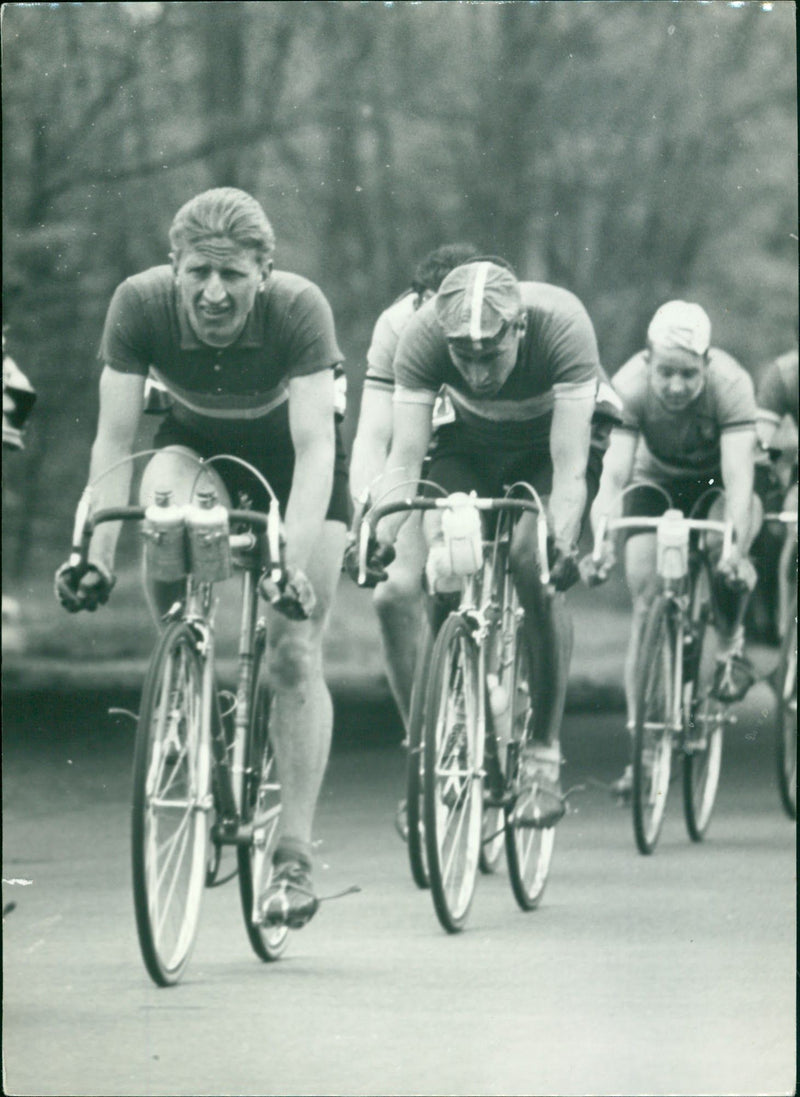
<point>198,613</point>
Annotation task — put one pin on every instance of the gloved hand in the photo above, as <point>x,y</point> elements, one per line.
<point>379,556</point>
<point>563,562</point>
<point>293,596</point>
<point>737,572</point>
<point>593,573</point>
<point>83,587</point>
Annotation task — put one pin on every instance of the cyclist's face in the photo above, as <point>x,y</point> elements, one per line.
<point>677,376</point>
<point>217,281</point>
<point>486,370</point>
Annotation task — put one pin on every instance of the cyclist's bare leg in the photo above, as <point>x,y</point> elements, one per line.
<point>548,631</point>
<point>787,566</point>
<point>399,605</point>
<point>176,469</point>
<point>731,605</point>
<point>301,712</point>
<point>642,580</point>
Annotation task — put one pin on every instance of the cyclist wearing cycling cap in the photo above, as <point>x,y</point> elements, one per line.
<point>520,364</point>
<point>398,600</point>
<point>247,354</point>
<point>689,428</point>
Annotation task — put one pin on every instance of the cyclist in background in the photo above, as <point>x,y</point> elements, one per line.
<point>777,399</point>
<point>398,600</point>
<point>521,366</point>
<point>19,396</point>
<point>247,355</point>
<point>689,427</point>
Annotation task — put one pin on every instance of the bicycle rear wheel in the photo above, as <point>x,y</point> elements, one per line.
<point>415,762</point>
<point>529,850</point>
<point>453,790</point>
<point>652,739</point>
<point>171,802</point>
<point>786,720</point>
<point>704,717</point>
<point>261,809</point>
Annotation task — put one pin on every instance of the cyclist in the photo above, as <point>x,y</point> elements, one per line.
<point>777,399</point>
<point>19,396</point>
<point>689,426</point>
<point>520,364</point>
<point>247,355</point>
<point>398,600</point>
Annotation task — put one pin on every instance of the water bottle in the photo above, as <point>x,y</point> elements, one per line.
<point>672,545</point>
<point>438,572</point>
<point>463,536</point>
<point>164,535</point>
<point>209,547</point>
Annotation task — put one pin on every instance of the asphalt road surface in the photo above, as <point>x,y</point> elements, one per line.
<point>673,974</point>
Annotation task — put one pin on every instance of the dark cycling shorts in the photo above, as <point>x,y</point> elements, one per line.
<point>693,496</point>
<point>459,462</point>
<point>277,466</point>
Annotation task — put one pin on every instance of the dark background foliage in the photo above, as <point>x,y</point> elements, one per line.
<point>632,152</point>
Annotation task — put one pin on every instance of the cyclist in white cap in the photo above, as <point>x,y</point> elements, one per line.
<point>688,426</point>
<point>519,361</point>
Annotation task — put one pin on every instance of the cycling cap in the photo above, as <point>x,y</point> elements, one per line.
<point>680,325</point>
<point>478,301</point>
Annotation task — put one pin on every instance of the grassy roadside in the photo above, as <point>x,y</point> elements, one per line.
<point>51,649</point>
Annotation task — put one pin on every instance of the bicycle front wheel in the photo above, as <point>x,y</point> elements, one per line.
<point>529,850</point>
<point>786,721</point>
<point>171,802</point>
<point>415,764</point>
<point>453,788</point>
<point>704,718</point>
<point>652,740</point>
<point>261,809</point>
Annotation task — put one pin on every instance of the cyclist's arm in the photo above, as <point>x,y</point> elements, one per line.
<point>737,448</point>
<point>411,435</point>
<point>311,425</point>
<point>372,441</point>
<point>569,450</point>
<point>617,472</point>
<point>121,401</point>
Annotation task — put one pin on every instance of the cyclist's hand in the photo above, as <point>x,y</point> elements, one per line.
<point>85,587</point>
<point>563,561</point>
<point>594,572</point>
<point>737,572</point>
<point>292,595</point>
<point>379,556</point>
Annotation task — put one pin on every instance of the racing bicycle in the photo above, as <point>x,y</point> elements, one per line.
<point>473,718</point>
<point>675,710</point>
<point>785,682</point>
<point>204,775</point>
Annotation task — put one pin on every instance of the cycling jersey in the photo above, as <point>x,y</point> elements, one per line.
<point>778,389</point>
<point>228,399</point>
<point>385,337</point>
<point>557,359</point>
<point>675,445</point>
<point>288,333</point>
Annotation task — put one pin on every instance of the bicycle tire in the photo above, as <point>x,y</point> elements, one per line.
<point>453,789</point>
<point>171,801</point>
<point>703,719</point>
<point>529,850</point>
<point>786,720</point>
<point>417,859</point>
<point>261,808</point>
<point>652,739</point>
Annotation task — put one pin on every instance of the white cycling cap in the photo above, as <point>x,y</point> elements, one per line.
<point>680,325</point>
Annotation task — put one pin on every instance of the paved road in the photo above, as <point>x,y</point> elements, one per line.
<point>665,975</point>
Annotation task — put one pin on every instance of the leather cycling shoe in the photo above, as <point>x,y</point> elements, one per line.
<point>289,899</point>
<point>733,677</point>
<point>540,802</point>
